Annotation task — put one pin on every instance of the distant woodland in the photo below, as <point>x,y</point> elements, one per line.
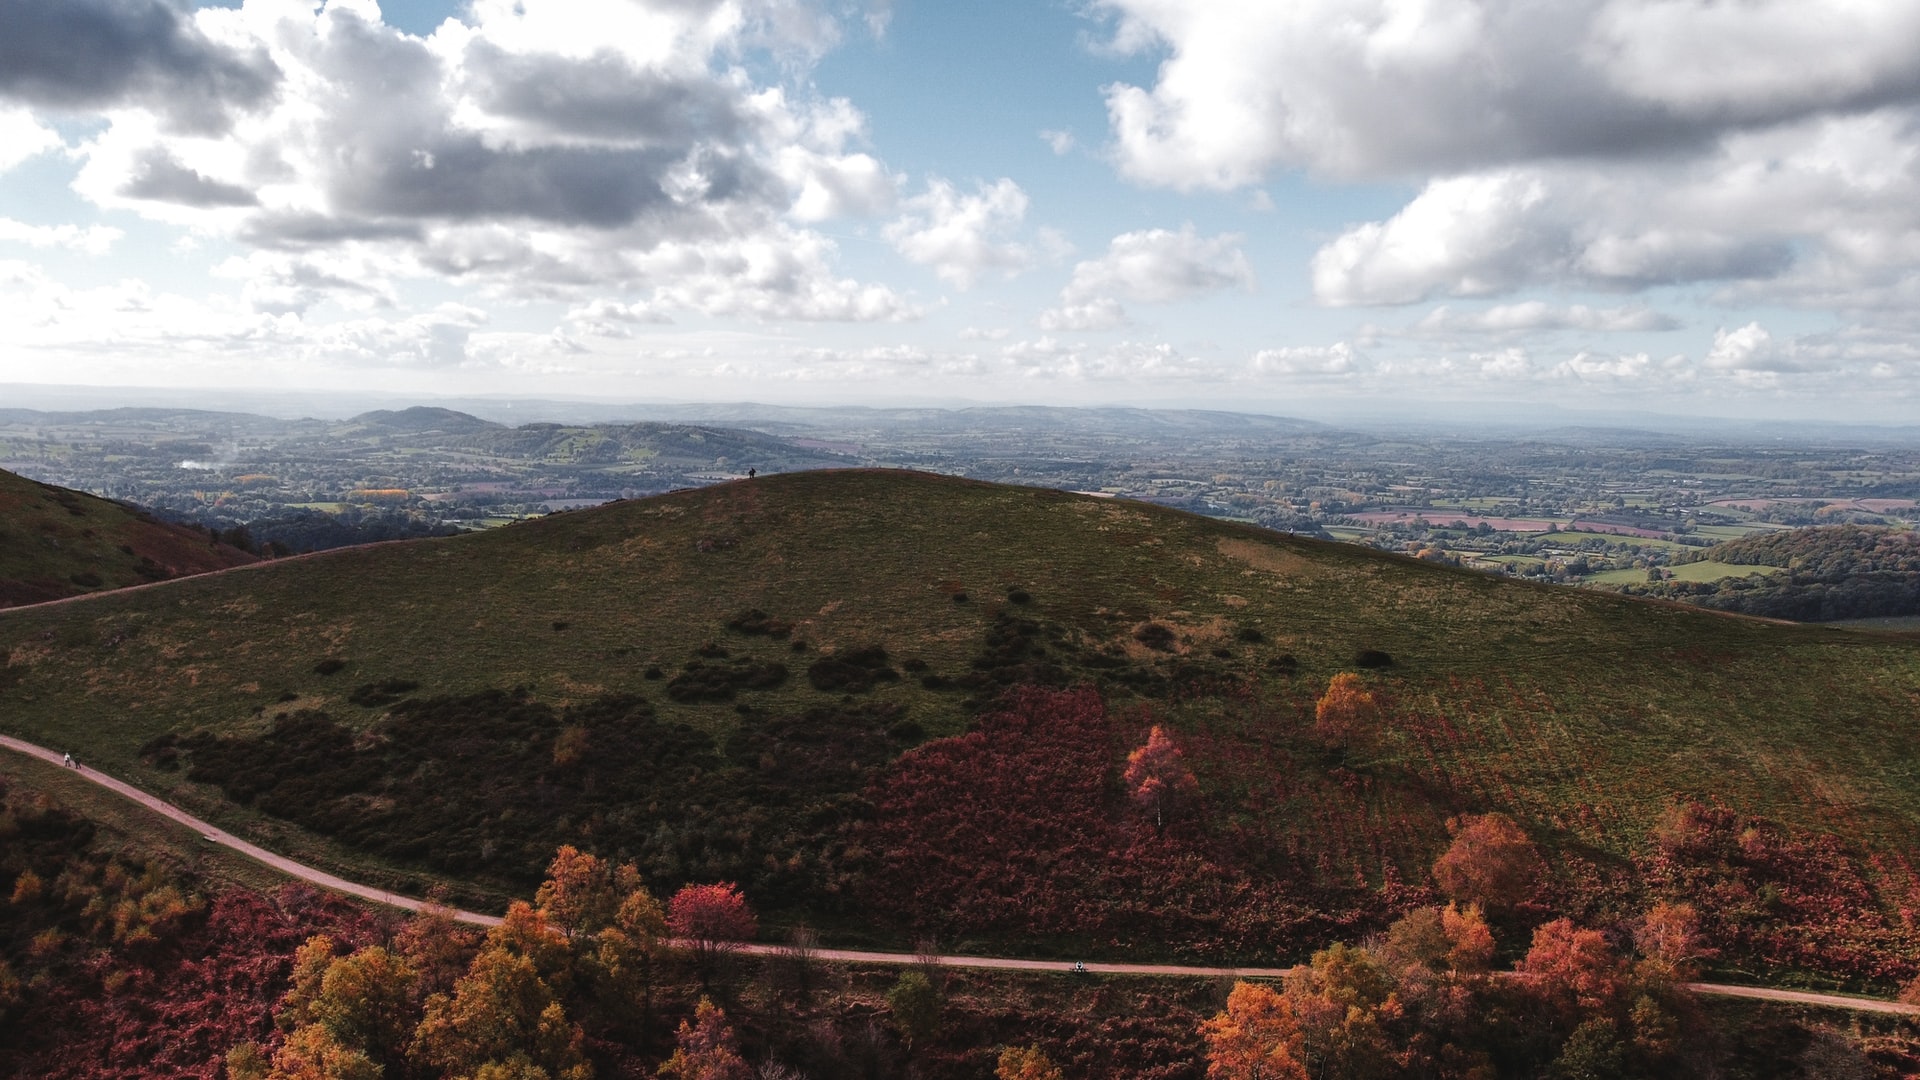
<point>1833,572</point>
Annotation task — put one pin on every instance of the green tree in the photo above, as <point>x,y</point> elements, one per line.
<point>916,1008</point>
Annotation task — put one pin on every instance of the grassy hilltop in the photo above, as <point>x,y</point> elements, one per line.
<point>720,683</point>
<point>56,543</point>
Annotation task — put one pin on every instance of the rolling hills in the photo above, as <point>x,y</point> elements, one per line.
<point>797,682</point>
<point>56,543</point>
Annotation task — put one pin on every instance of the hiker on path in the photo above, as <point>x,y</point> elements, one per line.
<point>69,761</point>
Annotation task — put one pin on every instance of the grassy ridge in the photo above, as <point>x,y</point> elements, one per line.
<point>1582,713</point>
<point>56,543</point>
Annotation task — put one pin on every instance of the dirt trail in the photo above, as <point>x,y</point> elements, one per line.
<point>379,896</point>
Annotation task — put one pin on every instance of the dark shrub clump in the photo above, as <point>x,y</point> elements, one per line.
<point>852,672</point>
<point>328,666</point>
<point>1372,658</point>
<point>702,681</point>
<point>1155,636</point>
<point>754,622</point>
<point>385,692</point>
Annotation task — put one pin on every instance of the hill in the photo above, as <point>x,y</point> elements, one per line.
<point>55,543</point>
<point>1832,572</point>
<point>797,683</point>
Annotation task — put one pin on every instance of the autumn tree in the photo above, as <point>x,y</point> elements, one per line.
<point>1573,968</point>
<point>582,893</point>
<point>712,921</point>
<point>1671,949</point>
<point>704,1048</point>
<point>1157,775</point>
<point>435,945</point>
<point>505,1013</point>
<point>628,954</point>
<point>1347,714</point>
<point>1257,1037</point>
<point>1026,1063</point>
<point>1491,862</point>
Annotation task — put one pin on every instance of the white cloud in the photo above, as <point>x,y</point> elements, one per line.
<point>1392,87</point>
<point>1154,266</point>
<point>1535,316</point>
<point>23,137</point>
<point>90,240</point>
<point>1806,213</point>
<point>964,236</point>
<point>1337,359</point>
<point>563,149</point>
<point>1048,358</point>
<point>1060,142</point>
<point>1099,313</point>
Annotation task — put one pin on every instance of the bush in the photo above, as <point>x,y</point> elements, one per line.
<point>385,692</point>
<point>853,672</point>
<point>1156,636</point>
<point>702,681</point>
<point>754,622</point>
<point>1371,659</point>
<point>329,666</point>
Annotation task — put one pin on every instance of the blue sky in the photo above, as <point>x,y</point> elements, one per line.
<point>1318,205</point>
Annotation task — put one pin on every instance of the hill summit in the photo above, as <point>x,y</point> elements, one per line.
<point>893,703</point>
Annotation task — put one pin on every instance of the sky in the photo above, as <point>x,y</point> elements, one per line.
<point>1677,206</point>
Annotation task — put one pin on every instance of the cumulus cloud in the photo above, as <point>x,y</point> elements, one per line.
<point>557,149</point>
<point>1383,87</point>
<point>1533,316</point>
<point>23,137</point>
<point>1767,146</point>
<point>96,54</point>
<point>1337,359</point>
<point>90,240</point>
<point>1813,210</point>
<point>1049,358</point>
<point>1154,266</point>
<point>964,236</point>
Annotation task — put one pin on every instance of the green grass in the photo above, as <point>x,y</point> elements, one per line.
<point>1696,571</point>
<point>1582,712</point>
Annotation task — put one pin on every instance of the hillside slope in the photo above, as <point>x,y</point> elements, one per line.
<point>722,684</point>
<point>55,542</point>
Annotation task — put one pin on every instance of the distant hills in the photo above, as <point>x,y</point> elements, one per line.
<point>56,543</point>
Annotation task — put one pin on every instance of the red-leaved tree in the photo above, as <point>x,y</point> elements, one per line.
<point>1157,775</point>
<point>711,921</point>
<point>1491,862</point>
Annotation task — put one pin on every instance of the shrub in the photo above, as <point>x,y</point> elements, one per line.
<point>754,622</point>
<point>329,666</point>
<point>1372,659</point>
<point>855,671</point>
<point>1156,636</point>
<point>701,681</point>
<point>385,692</point>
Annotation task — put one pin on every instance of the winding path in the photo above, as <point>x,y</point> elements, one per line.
<point>325,880</point>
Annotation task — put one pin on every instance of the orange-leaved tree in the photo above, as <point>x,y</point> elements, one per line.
<point>1573,968</point>
<point>1157,775</point>
<point>1026,1063</point>
<point>1257,1037</point>
<point>1491,862</point>
<point>1347,714</point>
